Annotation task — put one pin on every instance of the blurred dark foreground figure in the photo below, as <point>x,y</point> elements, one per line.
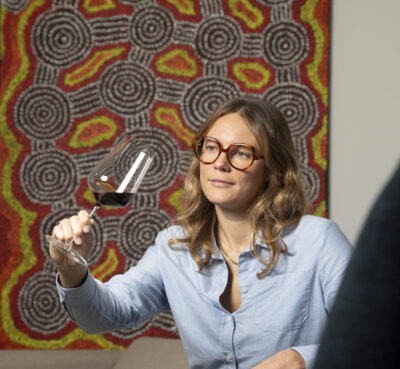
<point>363,328</point>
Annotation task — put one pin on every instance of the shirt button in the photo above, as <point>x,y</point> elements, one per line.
<point>229,356</point>
<point>244,290</point>
<point>228,318</point>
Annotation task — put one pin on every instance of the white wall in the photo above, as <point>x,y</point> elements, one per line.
<point>364,106</point>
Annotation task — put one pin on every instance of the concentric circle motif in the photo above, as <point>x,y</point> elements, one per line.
<point>48,177</point>
<point>15,6</point>
<point>297,103</point>
<point>42,112</point>
<point>129,333</point>
<point>39,305</point>
<point>152,28</point>
<point>139,230</point>
<point>163,320</point>
<point>218,39</point>
<point>53,218</point>
<point>311,182</point>
<point>204,96</point>
<point>127,88</point>
<point>285,44</point>
<point>61,38</point>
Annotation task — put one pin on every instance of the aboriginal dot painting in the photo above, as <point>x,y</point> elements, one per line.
<point>76,75</point>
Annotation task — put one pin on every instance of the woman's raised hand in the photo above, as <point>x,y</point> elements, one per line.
<point>76,229</point>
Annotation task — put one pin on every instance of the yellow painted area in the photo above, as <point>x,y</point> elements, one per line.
<point>2,17</point>
<point>108,267</point>
<point>252,74</point>
<point>185,7</point>
<point>307,15</point>
<point>248,13</point>
<point>316,143</point>
<point>92,66</point>
<point>320,209</point>
<point>175,200</point>
<point>169,117</point>
<point>88,196</point>
<point>94,6</point>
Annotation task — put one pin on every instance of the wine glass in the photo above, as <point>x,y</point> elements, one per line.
<point>113,181</point>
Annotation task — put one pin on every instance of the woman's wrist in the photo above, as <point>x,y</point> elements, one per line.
<point>73,277</point>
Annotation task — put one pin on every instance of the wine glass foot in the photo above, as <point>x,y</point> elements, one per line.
<point>67,249</point>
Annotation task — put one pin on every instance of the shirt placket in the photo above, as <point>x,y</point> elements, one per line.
<point>227,336</point>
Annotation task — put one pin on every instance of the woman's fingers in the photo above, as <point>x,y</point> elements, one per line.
<point>58,233</point>
<point>77,231</point>
<point>66,229</point>
<point>73,228</point>
<point>76,228</point>
<point>85,221</point>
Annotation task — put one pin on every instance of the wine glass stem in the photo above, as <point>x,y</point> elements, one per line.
<point>96,207</point>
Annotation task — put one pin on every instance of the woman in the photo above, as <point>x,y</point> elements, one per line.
<point>248,277</point>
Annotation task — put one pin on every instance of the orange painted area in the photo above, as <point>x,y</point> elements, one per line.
<point>247,12</point>
<point>92,132</point>
<point>168,116</point>
<point>252,74</point>
<point>178,62</point>
<point>92,66</point>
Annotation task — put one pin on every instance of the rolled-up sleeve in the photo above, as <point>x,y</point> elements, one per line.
<point>124,301</point>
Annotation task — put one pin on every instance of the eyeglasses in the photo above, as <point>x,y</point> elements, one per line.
<point>240,156</point>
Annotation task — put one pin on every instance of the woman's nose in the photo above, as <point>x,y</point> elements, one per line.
<point>222,162</point>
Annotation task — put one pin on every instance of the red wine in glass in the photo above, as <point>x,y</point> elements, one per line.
<point>113,198</point>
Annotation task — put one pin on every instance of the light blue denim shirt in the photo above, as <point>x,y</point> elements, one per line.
<point>287,309</point>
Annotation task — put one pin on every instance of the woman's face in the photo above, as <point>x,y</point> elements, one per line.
<point>224,186</point>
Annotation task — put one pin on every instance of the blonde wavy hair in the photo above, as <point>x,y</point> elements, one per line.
<point>282,202</point>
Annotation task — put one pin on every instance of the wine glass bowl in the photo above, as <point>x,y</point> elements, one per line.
<point>116,178</point>
<point>113,182</point>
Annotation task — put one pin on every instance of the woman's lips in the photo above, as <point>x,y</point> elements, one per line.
<point>220,183</point>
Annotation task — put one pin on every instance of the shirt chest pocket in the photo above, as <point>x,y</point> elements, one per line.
<point>283,301</point>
